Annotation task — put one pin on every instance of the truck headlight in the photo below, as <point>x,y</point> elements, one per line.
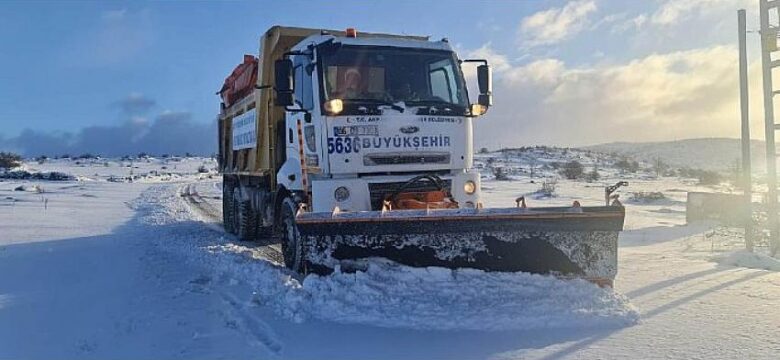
<point>341,194</point>
<point>334,106</point>
<point>469,187</point>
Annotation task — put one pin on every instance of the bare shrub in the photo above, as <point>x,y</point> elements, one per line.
<point>627,165</point>
<point>660,167</point>
<point>593,175</point>
<point>9,160</point>
<point>500,174</point>
<point>705,177</point>
<point>647,196</point>
<point>548,188</point>
<point>572,170</point>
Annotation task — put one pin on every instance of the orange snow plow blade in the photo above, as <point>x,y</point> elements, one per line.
<point>568,242</point>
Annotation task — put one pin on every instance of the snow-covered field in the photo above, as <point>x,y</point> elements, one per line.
<point>100,267</point>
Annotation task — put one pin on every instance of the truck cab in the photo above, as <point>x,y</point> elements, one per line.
<point>364,115</point>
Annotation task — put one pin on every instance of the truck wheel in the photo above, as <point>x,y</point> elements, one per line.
<point>247,221</point>
<point>228,214</point>
<point>292,248</point>
<point>245,218</point>
<point>234,210</point>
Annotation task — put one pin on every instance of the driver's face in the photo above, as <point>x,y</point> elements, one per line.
<point>352,80</point>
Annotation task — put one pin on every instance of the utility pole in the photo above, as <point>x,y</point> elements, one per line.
<point>747,181</point>
<point>769,45</point>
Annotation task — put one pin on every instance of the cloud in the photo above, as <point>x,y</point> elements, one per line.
<point>634,23</point>
<point>673,11</point>
<point>609,19</point>
<point>498,61</point>
<point>171,132</point>
<point>556,24</point>
<point>545,73</point>
<point>34,143</point>
<point>684,94</point>
<point>135,104</point>
<point>176,132</point>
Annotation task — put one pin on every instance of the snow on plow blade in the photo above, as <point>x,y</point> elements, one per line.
<point>568,242</point>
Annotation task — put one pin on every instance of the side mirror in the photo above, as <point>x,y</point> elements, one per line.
<point>283,78</point>
<point>485,79</point>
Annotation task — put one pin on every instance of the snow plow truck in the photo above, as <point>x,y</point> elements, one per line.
<point>348,146</point>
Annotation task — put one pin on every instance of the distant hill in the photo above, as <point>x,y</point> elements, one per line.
<point>710,154</point>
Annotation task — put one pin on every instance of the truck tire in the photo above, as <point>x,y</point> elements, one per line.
<point>245,218</point>
<point>228,210</point>
<point>292,248</point>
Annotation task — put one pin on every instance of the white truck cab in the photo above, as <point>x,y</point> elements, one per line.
<point>364,115</point>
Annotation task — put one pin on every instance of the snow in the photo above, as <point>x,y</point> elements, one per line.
<point>441,299</point>
<point>744,258</point>
<point>388,295</point>
<point>134,270</point>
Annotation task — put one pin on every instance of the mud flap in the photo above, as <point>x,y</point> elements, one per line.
<point>568,242</point>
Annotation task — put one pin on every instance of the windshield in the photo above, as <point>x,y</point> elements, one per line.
<point>391,75</point>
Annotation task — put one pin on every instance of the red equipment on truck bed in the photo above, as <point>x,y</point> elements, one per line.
<point>241,81</point>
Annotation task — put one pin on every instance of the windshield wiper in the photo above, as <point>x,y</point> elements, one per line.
<point>378,103</point>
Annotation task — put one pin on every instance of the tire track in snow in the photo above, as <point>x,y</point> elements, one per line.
<point>211,214</point>
<point>260,332</point>
<point>178,205</point>
<point>205,209</point>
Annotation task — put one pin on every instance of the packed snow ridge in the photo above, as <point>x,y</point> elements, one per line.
<point>744,258</point>
<point>438,298</point>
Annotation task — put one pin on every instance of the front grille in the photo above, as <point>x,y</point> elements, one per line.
<point>405,158</point>
<point>378,191</point>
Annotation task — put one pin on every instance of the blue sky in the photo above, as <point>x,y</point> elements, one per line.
<point>83,57</point>
<point>72,65</point>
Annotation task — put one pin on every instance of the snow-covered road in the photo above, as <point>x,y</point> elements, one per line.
<point>116,270</point>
